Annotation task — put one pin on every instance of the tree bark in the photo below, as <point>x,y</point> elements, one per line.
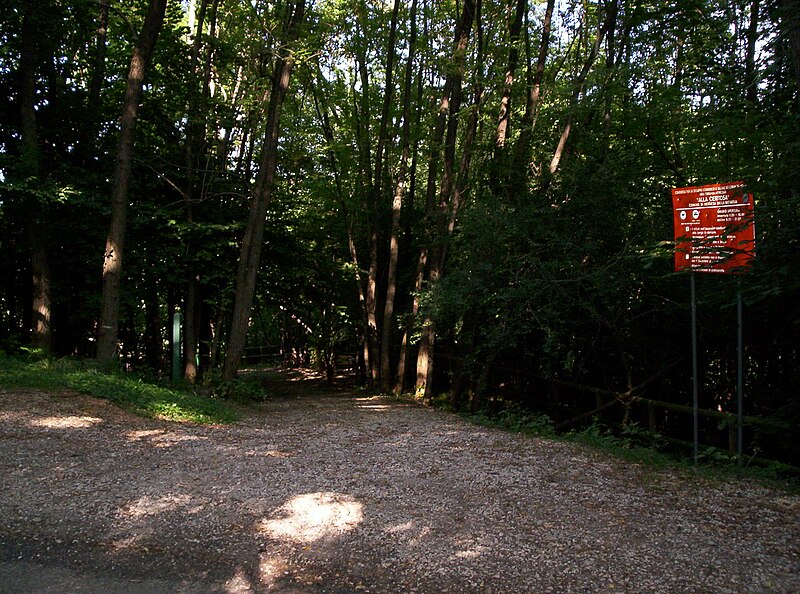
<point>399,191</point>
<point>88,131</point>
<point>115,241</point>
<point>29,172</point>
<point>448,109</point>
<point>513,58</point>
<point>522,150</point>
<point>361,105</point>
<point>751,92</point>
<point>41,335</point>
<point>400,384</point>
<point>195,147</point>
<point>250,253</point>
<point>580,80</point>
<point>153,333</point>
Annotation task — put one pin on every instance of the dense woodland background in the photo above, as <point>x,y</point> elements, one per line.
<point>467,198</point>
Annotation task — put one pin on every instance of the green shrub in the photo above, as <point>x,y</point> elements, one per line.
<point>242,389</point>
<point>514,418</point>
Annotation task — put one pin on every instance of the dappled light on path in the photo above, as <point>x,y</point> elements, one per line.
<point>352,493</point>
<point>314,516</point>
<point>238,583</point>
<point>68,422</point>
<point>374,407</point>
<point>150,506</point>
<point>160,438</point>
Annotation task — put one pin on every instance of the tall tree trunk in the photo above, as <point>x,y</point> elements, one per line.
<point>400,384</point>
<point>513,58</point>
<point>250,253</point>
<point>426,339</point>
<point>750,81</point>
<point>327,130</point>
<point>41,335</point>
<point>578,85</point>
<point>29,171</point>
<point>399,190</point>
<point>112,262</point>
<point>522,150</point>
<point>195,149</point>
<point>372,212</point>
<point>88,131</point>
<point>449,107</point>
<point>153,333</point>
<point>361,105</point>
<point>751,92</point>
<point>450,212</point>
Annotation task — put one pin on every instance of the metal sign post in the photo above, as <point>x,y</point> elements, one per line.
<point>714,233</point>
<point>695,387</point>
<point>739,374</point>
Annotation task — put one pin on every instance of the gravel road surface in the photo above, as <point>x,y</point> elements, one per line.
<point>341,493</point>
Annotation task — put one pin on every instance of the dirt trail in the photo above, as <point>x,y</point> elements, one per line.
<point>340,493</point>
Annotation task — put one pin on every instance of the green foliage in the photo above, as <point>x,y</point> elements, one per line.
<point>123,389</point>
<point>241,389</point>
<point>566,276</point>
<point>514,418</point>
<point>635,444</point>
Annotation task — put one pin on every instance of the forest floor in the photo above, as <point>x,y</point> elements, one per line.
<point>325,490</point>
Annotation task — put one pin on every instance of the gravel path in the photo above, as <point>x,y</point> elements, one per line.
<point>345,494</point>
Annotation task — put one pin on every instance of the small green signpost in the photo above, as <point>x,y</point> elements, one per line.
<point>176,346</point>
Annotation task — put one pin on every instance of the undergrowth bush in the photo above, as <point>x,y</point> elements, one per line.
<point>636,444</point>
<point>242,389</point>
<point>514,418</point>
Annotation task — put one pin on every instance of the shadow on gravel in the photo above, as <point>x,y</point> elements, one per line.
<point>322,488</point>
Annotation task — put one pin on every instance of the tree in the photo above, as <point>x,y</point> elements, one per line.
<point>448,111</point>
<point>387,380</point>
<point>262,194</point>
<point>29,173</point>
<point>115,242</point>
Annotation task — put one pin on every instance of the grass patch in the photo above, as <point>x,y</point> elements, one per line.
<point>123,389</point>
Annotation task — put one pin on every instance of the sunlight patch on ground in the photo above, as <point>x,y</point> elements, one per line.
<point>130,542</point>
<point>410,533</point>
<point>269,453</point>
<point>469,554</point>
<point>132,435</point>
<point>150,506</point>
<point>238,583</point>
<point>399,528</point>
<point>469,550</point>
<point>160,438</point>
<point>71,422</point>
<point>303,374</point>
<point>271,569</point>
<point>314,516</point>
<point>374,407</point>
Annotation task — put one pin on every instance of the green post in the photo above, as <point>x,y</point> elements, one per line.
<point>695,380</point>
<point>739,376</point>
<point>176,346</point>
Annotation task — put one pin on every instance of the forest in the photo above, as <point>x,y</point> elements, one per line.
<point>468,201</point>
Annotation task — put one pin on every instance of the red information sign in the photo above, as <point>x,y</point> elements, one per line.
<point>714,228</point>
